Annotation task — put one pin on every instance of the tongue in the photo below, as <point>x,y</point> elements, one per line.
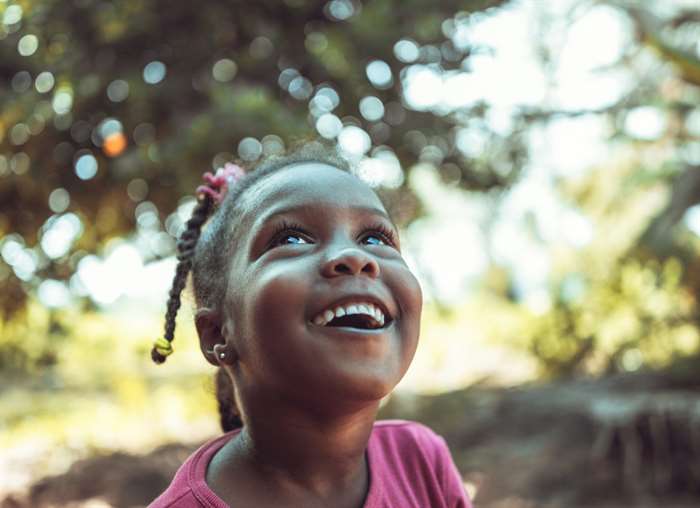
<point>353,321</point>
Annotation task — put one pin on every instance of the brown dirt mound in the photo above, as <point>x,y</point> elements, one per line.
<point>629,441</point>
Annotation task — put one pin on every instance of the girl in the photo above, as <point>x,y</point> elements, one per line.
<point>307,307</point>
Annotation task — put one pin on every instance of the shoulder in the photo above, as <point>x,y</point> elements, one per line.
<point>188,488</point>
<point>410,443</point>
<point>403,433</point>
<point>410,457</point>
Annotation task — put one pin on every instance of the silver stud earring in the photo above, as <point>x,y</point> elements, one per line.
<point>222,355</point>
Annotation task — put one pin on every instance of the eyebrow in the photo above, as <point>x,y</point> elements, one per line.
<point>370,210</point>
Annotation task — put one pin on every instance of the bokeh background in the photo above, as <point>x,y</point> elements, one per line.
<point>543,161</point>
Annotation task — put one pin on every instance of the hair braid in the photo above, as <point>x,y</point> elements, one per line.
<point>185,252</point>
<point>229,417</point>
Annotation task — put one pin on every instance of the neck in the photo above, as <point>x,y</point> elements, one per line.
<point>313,452</point>
<point>308,460</point>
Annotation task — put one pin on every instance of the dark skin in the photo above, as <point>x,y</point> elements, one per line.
<point>312,237</point>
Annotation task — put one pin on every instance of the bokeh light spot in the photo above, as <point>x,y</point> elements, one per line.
<point>406,51</point>
<point>21,81</point>
<point>114,144</point>
<point>646,122</point>
<point>379,74</point>
<point>328,125</point>
<point>316,42</point>
<point>44,82</point>
<point>320,105</point>
<point>382,169</point>
<point>261,47</point>
<point>224,70</point>
<point>354,140</point>
<point>62,101</point>
<point>108,127</point>
<point>137,189</point>
<point>371,108</point>
<point>19,134</point>
<point>249,149</point>
<point>422,87</point>
<point>272,145</point>
<point>86,166</point>
<point>59,199</point>
<point>330,94</point>
<point>59,233</point>
<point>28,45</point>
<point>300,88</point>
<point>118,90</point>
<point>19,163</point>
<point>340,10</point>
<point>53,293</point>
<point>12,15</point>
<point>36,124</point>
<point>154,72</point>
<point>286,77</point>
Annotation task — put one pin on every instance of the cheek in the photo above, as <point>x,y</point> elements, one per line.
<point>276,300</point>
<point>411,308</point>
<point>411,296</point>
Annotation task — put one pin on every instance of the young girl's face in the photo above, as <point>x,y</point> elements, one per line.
<point>316,239</point>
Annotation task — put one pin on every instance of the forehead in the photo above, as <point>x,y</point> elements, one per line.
<point>307,184</point>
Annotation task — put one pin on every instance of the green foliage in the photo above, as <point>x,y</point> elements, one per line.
<point>638,315</point>
<point>186,82</point>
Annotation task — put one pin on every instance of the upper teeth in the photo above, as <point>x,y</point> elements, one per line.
<point>365,308</point>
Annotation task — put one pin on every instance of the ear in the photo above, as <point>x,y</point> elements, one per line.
<point>211,340</point>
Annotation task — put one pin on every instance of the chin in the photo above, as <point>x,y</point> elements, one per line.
<point>368,388</point>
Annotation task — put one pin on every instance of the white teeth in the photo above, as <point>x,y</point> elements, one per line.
<point>379,316</point>
<point>357,308</point>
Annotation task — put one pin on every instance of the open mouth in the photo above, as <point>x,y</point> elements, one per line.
<point>359,315</point>
<point>361,321</point>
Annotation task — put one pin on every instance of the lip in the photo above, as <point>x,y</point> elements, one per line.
<point>389,315</point>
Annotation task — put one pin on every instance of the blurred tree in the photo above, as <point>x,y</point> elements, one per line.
<point>109,110</point>
<point>629,299</point>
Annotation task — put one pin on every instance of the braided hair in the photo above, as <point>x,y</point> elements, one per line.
<point>205,246</point>
<point>185,252</point>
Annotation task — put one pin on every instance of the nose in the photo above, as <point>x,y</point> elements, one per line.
<point>350,261</point>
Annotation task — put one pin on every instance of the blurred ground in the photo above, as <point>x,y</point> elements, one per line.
<point>577,444</point>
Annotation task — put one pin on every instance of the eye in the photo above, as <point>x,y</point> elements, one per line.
<point>379,235</point>
<point>289,234</point>
<point>374,240</point>
<point>291,239</point>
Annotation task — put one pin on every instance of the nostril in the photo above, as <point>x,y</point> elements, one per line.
<point>342,268</point>
<point>370,268</point>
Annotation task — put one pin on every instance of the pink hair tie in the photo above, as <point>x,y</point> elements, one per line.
<point>217,185</point>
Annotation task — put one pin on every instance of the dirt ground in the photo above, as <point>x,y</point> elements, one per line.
<point>629,441</point>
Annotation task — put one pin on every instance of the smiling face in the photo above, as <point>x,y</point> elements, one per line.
<point>317,239</point>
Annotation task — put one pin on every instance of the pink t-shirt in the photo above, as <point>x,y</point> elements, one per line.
<point>410,466</point>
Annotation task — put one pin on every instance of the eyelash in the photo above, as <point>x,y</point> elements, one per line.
<point>286,228</point>
<point>385,234</point>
